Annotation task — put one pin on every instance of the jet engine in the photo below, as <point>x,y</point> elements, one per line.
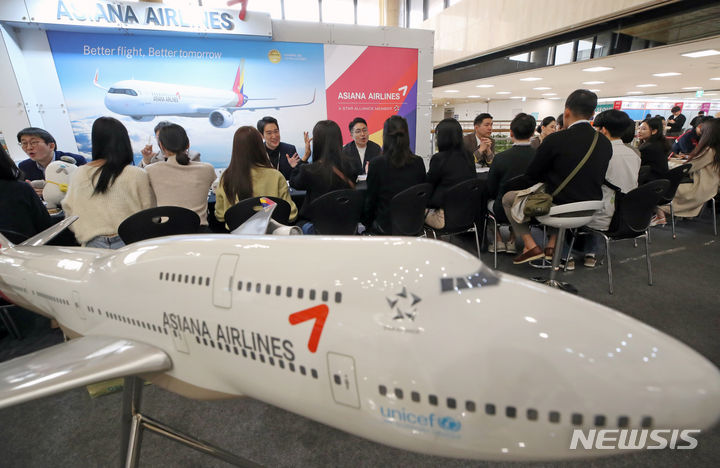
<point>142,118</point>
<point>220,118</point>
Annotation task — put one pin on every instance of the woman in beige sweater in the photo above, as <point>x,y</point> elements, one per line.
<point>249,174</point>
<point>107,190</point>
<point>178,181</point>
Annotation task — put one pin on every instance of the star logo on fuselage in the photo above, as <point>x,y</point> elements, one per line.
<point>403,305</point>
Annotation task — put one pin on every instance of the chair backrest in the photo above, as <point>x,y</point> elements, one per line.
<point>337,212</point>
<point>675,176</point>
<point>407,210</point>
<point>242,211</point>
<point>14,236</point>
<point>462,205</point>
<point>158,222</point>
<point>635,209</point>
<point>571,215</point>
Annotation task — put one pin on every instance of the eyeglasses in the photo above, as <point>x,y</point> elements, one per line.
<point>360,131</point>
<point>272,132</point>
<point>28,144</point>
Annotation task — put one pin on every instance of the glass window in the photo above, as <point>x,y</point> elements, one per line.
<point>563,53</point>
<point>338,11</point>
<point>368,12</point>
<point>302,10</point>
<point>416,13</point>
<point>602,44</point>
<point>520,57</point>
<point>584,49</point>
<point>436,6</point>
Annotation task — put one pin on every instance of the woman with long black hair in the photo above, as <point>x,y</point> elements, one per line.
<point>395,170</point>
<point>105,191</point>
<point>654,148</point>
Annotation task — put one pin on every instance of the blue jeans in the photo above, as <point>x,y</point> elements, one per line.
<point>106,242</point>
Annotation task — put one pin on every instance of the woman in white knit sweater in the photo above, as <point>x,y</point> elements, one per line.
<point>107,190</point>
<point>179,181</point>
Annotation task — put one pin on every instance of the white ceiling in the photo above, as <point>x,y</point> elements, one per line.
<point>629,71</point>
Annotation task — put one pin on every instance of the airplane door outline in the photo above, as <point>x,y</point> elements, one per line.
<point>343,379</point>
<point>223,280</point>
<point>78,305</point>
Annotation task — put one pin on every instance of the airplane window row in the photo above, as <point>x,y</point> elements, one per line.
<point>130,321</point>
<point>511,411</point>
<point>180,278</point>
<point>256,356</point>
<point>57,300</point>
<point>278,291</point>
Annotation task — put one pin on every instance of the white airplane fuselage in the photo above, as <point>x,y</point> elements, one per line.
<point>423,348</point>
<point>138,98</point>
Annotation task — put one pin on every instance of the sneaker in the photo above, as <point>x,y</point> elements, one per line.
<point>570,264</point>
<point>549,252</point>
<point>532,254</point>
<point>500,246</point>
<point>590,261</point>
<point>510,247</point>
<point>657,221</point>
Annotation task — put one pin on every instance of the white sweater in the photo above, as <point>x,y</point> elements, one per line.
<point>100,214</point>
<point>185,186</point>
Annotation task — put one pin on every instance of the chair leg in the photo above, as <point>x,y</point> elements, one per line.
<point>714,216</point>
<point>9,322</point>
<point>484,234</point>
<point>672,220</point>
<point>569,255</point>
<point>477,239</point>
<point>647,257</point>
<point>495,241</point>
<point>609,264</point>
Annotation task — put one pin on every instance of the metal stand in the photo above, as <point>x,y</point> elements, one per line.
<point>8,321</point>
<point>552,282</point>
<point>133,423</point>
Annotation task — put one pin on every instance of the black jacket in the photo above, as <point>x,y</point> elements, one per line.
<point>21,209</point>
<point>506,165</point>
<point>312,179</point>
<point>372,151</point>
<point>384,181</point>
<point>560,153</point>
<point>654,155</point>
<point>446,170</point>
<point>676,128</point>
<point>279,160</point>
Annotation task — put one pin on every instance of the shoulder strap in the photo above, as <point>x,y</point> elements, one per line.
<point>577,168</point>
<point>612,186</point>
<point>343,177</point>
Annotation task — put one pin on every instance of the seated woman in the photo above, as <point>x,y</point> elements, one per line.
<point>546,127</point>
<point>687,142</point>
<point>654,149</point>
<point>450,166</point>
<point>329,171</point>
<point>249,175</point>
<point>21,210</point>
<point>705,173</point>
<point>107,190</point>
<point>395,170</point>
<point>178,181</point>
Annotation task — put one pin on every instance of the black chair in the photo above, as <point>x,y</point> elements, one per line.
<point>158,222</point>
<point>243,210</point>
<point>407,210</point>
<point>632,220</point>
<point>337,212</point>
<point>462,210</point>
<point>675,177</point>
<point>14,236</point>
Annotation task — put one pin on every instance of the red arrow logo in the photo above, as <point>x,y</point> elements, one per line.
<point>319,313</point>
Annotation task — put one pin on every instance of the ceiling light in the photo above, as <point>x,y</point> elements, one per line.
<point>648,85</point>
<point>593,82</point>
<point>701,53</point>
<point>634,92</point>
<point>474,96</point>
<point>598,69</point>
<point>531,78</point>
<point>503,92</point>
<point>690,88</point>
<point>485,86</point>
<point>667,74</point>
<point>549,94</point>
<point>541,88</point>
<point>452,91</point>
<point>515,97</point>
<point>710,94</point>
<point>661,97</point>
<point>594,90</point>
<point>716,78</point>
<point>554,98</point>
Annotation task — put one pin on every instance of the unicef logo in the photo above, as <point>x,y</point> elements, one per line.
<point>449,424</point>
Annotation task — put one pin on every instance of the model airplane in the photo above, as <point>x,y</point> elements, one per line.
<point>411,343</point>
<point>144,100</point>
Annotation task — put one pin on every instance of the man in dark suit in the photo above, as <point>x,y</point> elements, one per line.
<point>676,122</point>
<point>283,156</point>
<point>506,165</point>
<point>361,150</point>
<point>558,155</point>
<point>480,143</point>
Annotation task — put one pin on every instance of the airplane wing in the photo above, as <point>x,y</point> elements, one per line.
<point>78,362</point>
<point>252,108</point>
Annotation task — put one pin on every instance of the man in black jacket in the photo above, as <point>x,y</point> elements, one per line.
<point>558,155</point>
<point>361,150</point>
<point>283,156</point>
<point>676,122</point>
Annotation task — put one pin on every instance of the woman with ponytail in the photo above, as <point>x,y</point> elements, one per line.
<point>178,181</point>
<point>546,127</point>
<point>395,170</point>
<point>108,189</point>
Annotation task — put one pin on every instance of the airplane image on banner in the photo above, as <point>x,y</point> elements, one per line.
<point>145,100</point>
<point>418,345</point>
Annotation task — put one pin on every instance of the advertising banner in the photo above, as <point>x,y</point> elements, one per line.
<point>212,86</point>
